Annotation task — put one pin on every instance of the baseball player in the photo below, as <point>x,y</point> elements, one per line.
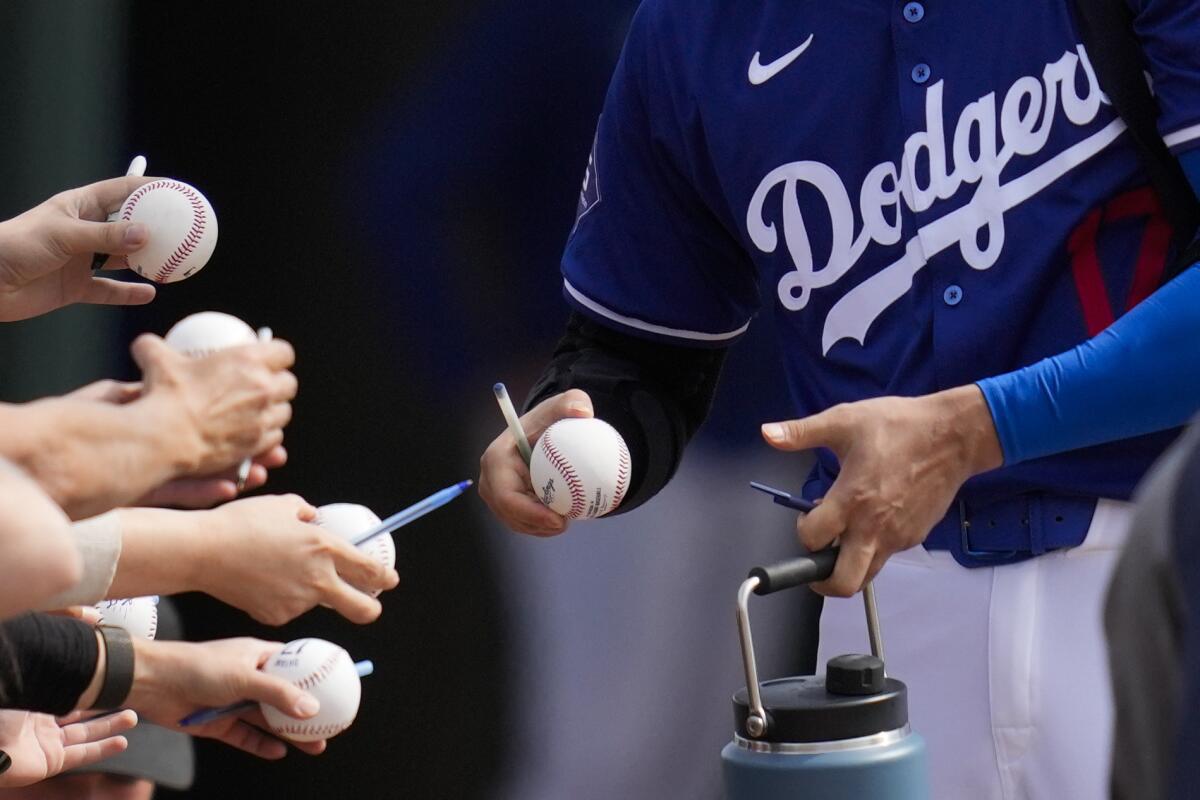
<point>955,243</point>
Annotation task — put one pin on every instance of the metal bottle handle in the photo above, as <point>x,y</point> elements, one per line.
<point>774,578</point>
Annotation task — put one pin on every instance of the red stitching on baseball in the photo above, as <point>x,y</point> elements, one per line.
<point>194,234</point>
<point>623,470</point>
<point>378,549</point>
<point>574,485</point>
<point>320,673</point>
<point>326,730</point>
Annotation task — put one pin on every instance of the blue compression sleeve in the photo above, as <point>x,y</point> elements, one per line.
<point>1141,374</point>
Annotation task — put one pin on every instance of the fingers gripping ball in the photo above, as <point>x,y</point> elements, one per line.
<point>138,615</point>
<point>325,671</point>
<point>207,332</point>
<point>348,520</point>
<point>183,230</point>
<point>580,468</point>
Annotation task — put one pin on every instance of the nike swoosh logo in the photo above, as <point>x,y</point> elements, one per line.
<point>760,73</point>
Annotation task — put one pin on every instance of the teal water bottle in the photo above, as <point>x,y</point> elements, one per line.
<point>840,736</point>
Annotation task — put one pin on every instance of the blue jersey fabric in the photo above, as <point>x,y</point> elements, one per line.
<point>908,188</point>
<point>1191,167</point>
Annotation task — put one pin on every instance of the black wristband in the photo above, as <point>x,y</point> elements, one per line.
<point>118,669</point>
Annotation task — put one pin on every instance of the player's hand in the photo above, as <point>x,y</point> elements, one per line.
<point>264,556</point>
<point>504,482</point>
<point>206,492</point>
<point>902,462</point>
<point>42,746</point>
<point>174,679</point>
<point>220,408</point>
<point>46,253</point>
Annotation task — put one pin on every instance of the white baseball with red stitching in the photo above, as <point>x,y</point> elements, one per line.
<point>138,615</point>
<point>207,332</point>
<point>183,230</point>
<point>325,671</point>
<point>580,468</point>
<point>348,520</point>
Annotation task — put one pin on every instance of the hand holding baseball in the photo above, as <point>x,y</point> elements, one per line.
<point>46,253</point>
<point>348,520</point>
<point>175,679</point>
<point>221,408</point>
<point>504,479</point>
<point>264,556</point>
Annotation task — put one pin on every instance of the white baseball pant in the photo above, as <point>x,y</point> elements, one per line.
<point>1006,666</point>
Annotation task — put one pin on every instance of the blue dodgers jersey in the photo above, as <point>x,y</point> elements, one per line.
<point>927,194</point>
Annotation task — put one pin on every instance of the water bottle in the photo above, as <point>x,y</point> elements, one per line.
<point>840,736</point>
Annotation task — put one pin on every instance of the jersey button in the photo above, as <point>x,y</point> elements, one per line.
<point>920,73</point>
<point>914,12</point>
<point>953,295</point>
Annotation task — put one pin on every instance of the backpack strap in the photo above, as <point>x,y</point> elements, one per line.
<point>1116,56</point>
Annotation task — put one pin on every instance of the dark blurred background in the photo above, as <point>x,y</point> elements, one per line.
<point>394,183</point>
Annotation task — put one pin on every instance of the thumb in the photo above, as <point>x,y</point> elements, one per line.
<point>285,696</point>
<point>149,351</point>
<point>826,429</point>
<point>83,236</point>
<point>571,403</point>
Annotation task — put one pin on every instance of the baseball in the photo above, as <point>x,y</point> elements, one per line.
<point>349,520</point>
<point>207,332</point>
<point>325,671</point>
<point>580,468</point>
<point>183,230</point>
<point>138,615</point>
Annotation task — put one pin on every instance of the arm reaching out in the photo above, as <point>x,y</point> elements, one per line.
<point>39,559</point>
<point>194,417</point>
<point>261,554</point>
<point>175,679</point>
<point>46,253</point>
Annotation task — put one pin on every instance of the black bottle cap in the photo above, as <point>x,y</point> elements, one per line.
<point>854,675</point>
<point>801,709</point>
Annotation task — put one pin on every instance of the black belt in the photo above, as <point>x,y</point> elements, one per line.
<point>1012,530</point>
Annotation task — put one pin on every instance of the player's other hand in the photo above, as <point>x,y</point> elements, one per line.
<point>46,253</point>
<point>504,482</point>
<point>902,462</point>
<point>174,679</point>
<point>264,556</point>
<point>221,408</point>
